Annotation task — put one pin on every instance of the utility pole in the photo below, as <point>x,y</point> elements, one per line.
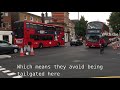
<point>78,21</point>
<point>43,17</point>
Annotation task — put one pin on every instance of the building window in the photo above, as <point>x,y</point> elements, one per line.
<point>36,20</point>
<point>25,17</point>
<point>6,38</point>
<point>6,25</point>
<point>31,18</point>
<point>5,13</point>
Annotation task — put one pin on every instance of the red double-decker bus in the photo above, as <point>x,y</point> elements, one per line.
<point>95,31</point>
<point>39,34</point>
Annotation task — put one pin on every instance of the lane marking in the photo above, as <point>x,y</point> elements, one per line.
<point>118,53</point>
<point>17,77</point>
<point>108,77</point>
<point>6,71</point>
<point>0,66</point>
<point>4,56</point>
<point>10,74</point>
<point>78,61</point>
<point>2,69</point>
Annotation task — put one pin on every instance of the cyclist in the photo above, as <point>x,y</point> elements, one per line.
<point>102,45</point>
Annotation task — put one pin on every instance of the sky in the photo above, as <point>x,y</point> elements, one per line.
<point>89,16</point>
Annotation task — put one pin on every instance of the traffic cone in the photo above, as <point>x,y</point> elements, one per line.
<point>21,52</point>
<point>32,53</point>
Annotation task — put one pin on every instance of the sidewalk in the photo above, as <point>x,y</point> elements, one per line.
<point>4,56</point>
<point>67,44</point>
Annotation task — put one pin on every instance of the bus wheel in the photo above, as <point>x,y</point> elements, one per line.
<point>58,44</point>
<point>41,46</point>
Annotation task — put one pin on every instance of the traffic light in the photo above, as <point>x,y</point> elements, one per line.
<point>1,17</point>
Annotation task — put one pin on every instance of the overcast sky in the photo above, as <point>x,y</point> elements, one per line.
<point>89,16</point>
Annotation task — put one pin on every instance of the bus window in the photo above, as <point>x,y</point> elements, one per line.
<point>27,25</point>
<point>41,27</point>
<point>31,25</point>
<point>34,26</point>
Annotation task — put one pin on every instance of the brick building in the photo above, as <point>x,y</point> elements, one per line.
<point>21,16</point>
<point>5,29</point>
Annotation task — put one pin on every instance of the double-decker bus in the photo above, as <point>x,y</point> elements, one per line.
<point>39,34</point>
<point>96,30</point>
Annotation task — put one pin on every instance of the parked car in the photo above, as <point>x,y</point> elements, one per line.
<point>76,42</point>
<point>6,48</point>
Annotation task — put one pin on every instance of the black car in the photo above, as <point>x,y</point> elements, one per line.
<point>6,47</point>
<point>76,42</point>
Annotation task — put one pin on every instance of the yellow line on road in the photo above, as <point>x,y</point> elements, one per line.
<point>108,77</point>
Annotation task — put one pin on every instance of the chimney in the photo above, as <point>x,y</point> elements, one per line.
<point>43,18</point>
<point>46,14</point>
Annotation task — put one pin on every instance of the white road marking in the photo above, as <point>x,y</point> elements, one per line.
<point>17,77</point>
<point>77,61</point>
<point>10,74</point>
<point>2,69</point>
<point>5,56</point>
<point>0,66</point>
<point>113,58</point>
<point>118,53</point>
<point>6,71</point>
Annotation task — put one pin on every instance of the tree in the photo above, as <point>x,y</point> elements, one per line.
<point>114,21</point>
<point>80,27</point>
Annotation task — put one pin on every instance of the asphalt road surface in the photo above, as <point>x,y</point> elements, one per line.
<point>63,62</point>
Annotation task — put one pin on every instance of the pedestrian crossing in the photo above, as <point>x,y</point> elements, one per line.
<point>9,73</point>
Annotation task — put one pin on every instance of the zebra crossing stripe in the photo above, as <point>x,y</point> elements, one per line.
<point>10,74</point>
<point>17,77</point>
<point>0,66</point>
<point>6,71</point>
<point>2,69</point>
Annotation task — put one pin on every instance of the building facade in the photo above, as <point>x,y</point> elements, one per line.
<point>62,18</point>
<point>72,29</point>
<point>21,16</point>
<point>6,28</point>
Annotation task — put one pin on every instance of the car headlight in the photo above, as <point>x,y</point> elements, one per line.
<point>16,45</point>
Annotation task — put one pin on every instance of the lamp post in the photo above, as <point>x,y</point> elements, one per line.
<point>78,22</point>
<point>43,18</point>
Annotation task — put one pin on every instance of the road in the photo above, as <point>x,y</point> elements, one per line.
<point>63,62</point>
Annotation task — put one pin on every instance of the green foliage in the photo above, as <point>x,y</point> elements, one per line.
<point>114,21</point>
<point>80,27</point>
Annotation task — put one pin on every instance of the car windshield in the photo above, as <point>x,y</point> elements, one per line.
<point>4,44</point>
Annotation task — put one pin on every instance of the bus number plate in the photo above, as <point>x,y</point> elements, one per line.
<point>19,41</point>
